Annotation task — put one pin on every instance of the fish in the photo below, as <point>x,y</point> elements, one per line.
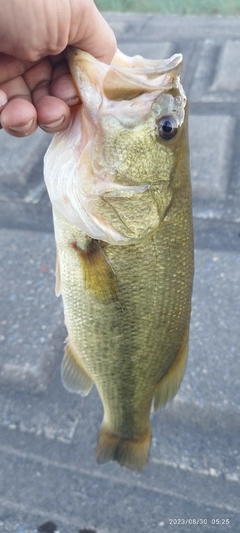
<point>119,183</point>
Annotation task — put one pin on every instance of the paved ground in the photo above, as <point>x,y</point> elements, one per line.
<point>49,480</point>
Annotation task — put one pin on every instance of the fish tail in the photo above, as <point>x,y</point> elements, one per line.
<point>130,452</point>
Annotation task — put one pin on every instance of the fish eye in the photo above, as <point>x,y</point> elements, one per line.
<point>167,127</point>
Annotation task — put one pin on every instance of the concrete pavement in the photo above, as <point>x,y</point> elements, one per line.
<point>49,480</point>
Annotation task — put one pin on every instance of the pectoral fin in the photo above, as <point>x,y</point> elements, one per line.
<point>74,376</point>
<point>167,388</point>
<point>99,276</point>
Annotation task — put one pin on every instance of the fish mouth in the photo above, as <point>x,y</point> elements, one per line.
<point>126,76</point>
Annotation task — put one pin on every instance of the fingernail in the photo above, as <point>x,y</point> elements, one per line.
<point>54,124</point>
<point>22,127</point>
<point>3,99</point>
<point>72,101</point>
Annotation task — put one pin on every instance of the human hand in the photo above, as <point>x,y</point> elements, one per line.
<point>36,87</point>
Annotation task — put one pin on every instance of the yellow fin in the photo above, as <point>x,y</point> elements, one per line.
<point>130,452</point>
<point>58,285</point>
<point>99,276</point>
<point>167,388</point>
<point>74,376</point>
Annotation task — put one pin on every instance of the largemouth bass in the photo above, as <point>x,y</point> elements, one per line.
<point>118,179</point>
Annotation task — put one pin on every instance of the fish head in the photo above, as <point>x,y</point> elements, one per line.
<point>111,172</point>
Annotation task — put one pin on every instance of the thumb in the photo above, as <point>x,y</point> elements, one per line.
<point>93,34</point>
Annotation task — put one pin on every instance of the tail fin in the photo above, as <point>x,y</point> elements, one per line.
<point>130,452</point>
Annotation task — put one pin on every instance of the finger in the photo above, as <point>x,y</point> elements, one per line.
<point>18,117</point>
<point>63,85</point>
<point>38,79</point>
<point>52,113</point>
<point>52,77</point>
<point>11,67</point>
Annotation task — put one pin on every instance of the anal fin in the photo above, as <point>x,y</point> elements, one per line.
<point>74,376</point>
<point>168,386</point>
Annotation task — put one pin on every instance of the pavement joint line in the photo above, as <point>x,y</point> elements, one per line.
<point>138,484</point>
<point>211,472</point>
<point>146,21</point>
